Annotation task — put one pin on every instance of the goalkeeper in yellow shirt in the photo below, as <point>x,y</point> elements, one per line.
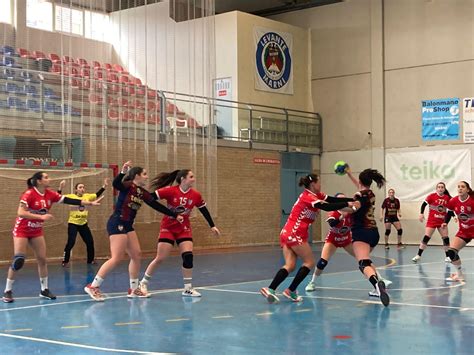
<point>78,221</point>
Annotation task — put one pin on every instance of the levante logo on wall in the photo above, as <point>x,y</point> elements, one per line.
<point>273,61</point>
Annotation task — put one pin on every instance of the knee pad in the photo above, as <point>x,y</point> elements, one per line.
<point>400,231</point>
<point>387,232</point>
<point>187,259</point>
<point>364,263</point>
<point>426,240</point>
<point>18,262</point>
<point>452,254</point>
<point>446,242</point>
<point>322,263</point>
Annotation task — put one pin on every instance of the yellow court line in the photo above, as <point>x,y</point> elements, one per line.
<point>128,323</point>
<point>18,330</point>
<point>264,314</point>
<point>74,326</point>
<point>177,320</point>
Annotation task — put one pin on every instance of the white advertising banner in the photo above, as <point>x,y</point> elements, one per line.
<point>468,119</point>
<point>414,175</point>
<point>273,61</point>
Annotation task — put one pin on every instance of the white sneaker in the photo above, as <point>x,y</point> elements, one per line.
<point>310,287</point>
<point>455,278</point>
<point>95,293</point>
<point>143,286</point>
<point>416,258</point>
<point>191,292</point>
<point>447,260</point>
<point>374,293</point>
<point>386,282</point>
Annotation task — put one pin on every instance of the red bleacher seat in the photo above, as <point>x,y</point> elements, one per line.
<point>99,74</point>
<point>151,106</point>
<point>95,99</point>
<point>83,63</point>
<point>113,114</point>
<point>140,90</point>
<point>56,68</point>
<point>24,53</point>
<point>68,59</point>
<point>113,87</point>
<point>128,90</point>
<point>136,81</point>
<point>39,55</point>
<point>128,116</point>
<point>95,64</point>
<point>124,79</point>
<point>85,84</point>
<point>85,72</point>
<point>139,105</point>
<point>113,77</point>
<point>111,101</point>
<point>122,101</point>
<point>55,58</point>
<point>151,94</point>
<point>118,68</point>
<point>153,118</point>
<point>109,67</point>
<point>140,117</point>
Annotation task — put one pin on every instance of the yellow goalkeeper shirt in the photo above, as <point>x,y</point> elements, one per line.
<point>78,214</point>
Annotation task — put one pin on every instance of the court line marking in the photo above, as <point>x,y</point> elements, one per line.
<point>223,317</point>
<point>90,347</point>
<point>304,310</point>
<point>263,313</point>
<point>351,299</point>
<point>127,323</point>
<point>74,326</point>
<point>18,330</point>
<point>177,320</point>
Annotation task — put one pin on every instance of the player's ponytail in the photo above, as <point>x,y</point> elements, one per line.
<point>166,179</point>
<point>307,180</point>
<point>368,175</point>
<point>446,192</point>
<point>33,181</point>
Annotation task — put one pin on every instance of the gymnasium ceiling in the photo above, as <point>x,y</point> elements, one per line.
<point>256,7</point>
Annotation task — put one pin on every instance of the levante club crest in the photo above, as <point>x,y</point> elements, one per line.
<point>273,60</point>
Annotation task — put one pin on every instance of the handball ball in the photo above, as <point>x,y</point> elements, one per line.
<point>340,167</point>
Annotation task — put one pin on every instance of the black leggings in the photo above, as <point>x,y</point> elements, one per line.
<point>86,236</point>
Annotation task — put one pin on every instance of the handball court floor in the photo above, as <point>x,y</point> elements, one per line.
<point>426,316</point>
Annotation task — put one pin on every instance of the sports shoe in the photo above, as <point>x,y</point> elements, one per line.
<point>385,281</point>
<point>292,295</point>
<point>94,292</point>
<point>310,287</point>
<point>8,297</point>
<point>416,258</point>
<point>46,293</point>
<point>269,294</point>
<point>190,292</point>
<point>137,293</point>
<point>447,260</point>
<point>143,286</point>
<point>374,293</point>
<point>455,278</point>
<point>384,297</point>
<point>387,246</point>
<point>400,246</point>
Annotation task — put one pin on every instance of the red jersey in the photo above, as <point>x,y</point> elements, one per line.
<point>437,209</point>
<point>464,211</point>
<point>364,216</point>
<point>36,203</point>
<point>180,202</point>
<point>340,234</point>
<point>391,207</point>
<point>303,213</point>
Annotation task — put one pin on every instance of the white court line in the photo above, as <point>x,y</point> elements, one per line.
<point>80,301</point>
<point>350,299</point>
<point>77,345</point>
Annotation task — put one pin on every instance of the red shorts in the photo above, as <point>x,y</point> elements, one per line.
<point>291,239</point>
<point>339,241</point>
<point>21,235</point>
<point>175,235</point>
<point>434,224</point>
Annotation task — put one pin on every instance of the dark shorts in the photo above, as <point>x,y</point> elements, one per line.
<point>116,226</point>
<point>369,236</point>
<point>391,219</point>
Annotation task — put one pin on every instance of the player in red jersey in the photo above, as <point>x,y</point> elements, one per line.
<point>294,236</point>
<point>181,198</point>
<point>463,207</point>
<point>123,238</point>
<point>35,204</point>
<point>390,214</point>
<point>365,235</point>
<point>437,202</point>
<point>339,236</point>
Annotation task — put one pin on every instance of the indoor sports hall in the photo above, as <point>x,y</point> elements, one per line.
<point>236,176</point>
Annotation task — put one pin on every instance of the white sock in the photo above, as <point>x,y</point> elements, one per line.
<point>313,279</point>
<point>133,284</point>
<point>146,278</point>
<point>459,267</point>
<point>9,285</point>
<point>44,283</point>
<point>187,283</point>
<point>97,281</point>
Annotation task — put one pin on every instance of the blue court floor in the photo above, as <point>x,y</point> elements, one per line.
<point>427,315</point>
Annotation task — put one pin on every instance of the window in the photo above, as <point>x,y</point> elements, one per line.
<point>39,14</point>
<point>6,13</point>
<point>96,25</point>
<point>69,20</point>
